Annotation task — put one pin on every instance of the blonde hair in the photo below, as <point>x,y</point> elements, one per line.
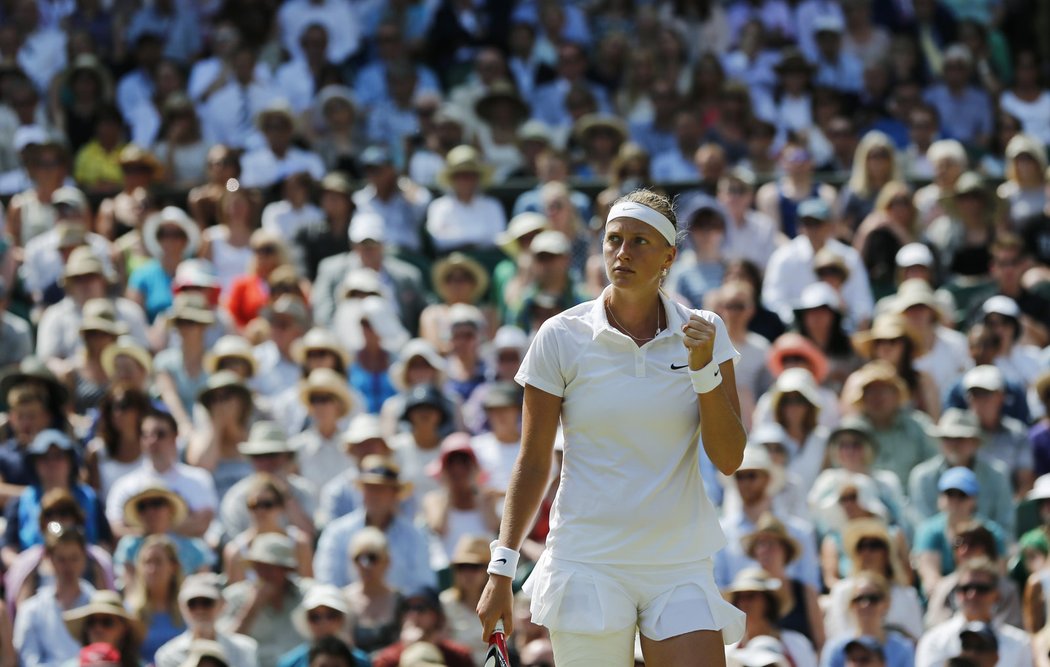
<point>654,200</point>
<point>261,237</point>
<point>369,538</point>
<point>891,191</point>
<point>137,596</point>
<point>947,149</point>
<point>859,180</point>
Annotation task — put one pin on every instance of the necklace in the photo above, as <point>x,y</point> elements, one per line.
<point>622,328</point>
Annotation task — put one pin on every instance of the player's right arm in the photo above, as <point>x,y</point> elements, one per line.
<point>528,484</point>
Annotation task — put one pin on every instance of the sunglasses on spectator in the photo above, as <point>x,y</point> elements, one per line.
<point>151,504</point>
<point>865,599</point>
<point>201,603</point>
<point>978,589</point>
<point>319,615</point>
<point>101,621</point>
<point>265,504</point>
<point>955,494</point>
<point>321,399</point>
<point>266,250</point>
<point>170,234</point>
<point>746,476</point>
<point>871,544</point>
<point>366,559</point>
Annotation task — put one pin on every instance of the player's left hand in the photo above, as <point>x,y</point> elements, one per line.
<point>699,341</point>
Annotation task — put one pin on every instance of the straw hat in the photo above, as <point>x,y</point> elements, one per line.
<point>757,458</point>
<point>459,261</point>
<point>828,259</point>
<point>86,62</point>
<point>796,345</point>
<point>101,315</point>
<point>265,437</point>
<point>599,121</point>
<point>916,292</point>
<point>501,91</point>
<point>417,347</point>
<point>381,470</point>
<point>464,159</point>
<point>273,549</point>
<point>83,262</point>
<point>520,226</point>
<point>106,603</point>
<point>757,580</point>
<point>770,525</point>
<point>795,380</point>
<point>316,339</point>
<point>858,529</point>
<point>471,550</point>
<point>319,595</point>
<point>869,374</point>
<point>888,326</point>
<point>221,381</point>
<point>191,307</point>
<point>957,423</point>
<point>171,215</point>
<point>33,369</point>
<point>155,490</point>
<point>126,346</point>
<point>135,154</point>
<point>421,654</point>
<point>230,346</point>
<point>327,381</point>
<point>205,648</point>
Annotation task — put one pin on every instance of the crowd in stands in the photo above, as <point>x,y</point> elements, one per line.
<point>260,314</point>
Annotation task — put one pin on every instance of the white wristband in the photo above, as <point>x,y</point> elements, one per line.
<point>706,379</point>
<point>504,561</point>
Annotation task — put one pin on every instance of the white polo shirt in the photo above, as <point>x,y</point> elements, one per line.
<point>630,489</point>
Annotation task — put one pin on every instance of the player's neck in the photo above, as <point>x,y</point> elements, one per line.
<point>638,312</point>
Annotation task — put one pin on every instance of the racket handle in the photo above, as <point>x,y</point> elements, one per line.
<point>499,628</point>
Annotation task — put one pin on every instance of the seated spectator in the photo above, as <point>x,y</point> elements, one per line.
<point>181,147</point>
<point>318,348</point>
<point>891,340</point>
<point>278,157</point>
<point>935,536</point>
<point>319,448</point>
<point>973,541</point>
<point>962,237</point>
<point>773,548</point>
<point>266,503</point>
<point>341,495</point>
<point>423,619</point>
<point>873,551</point>
<point>975,597</point>
<point>891,225</point>
<point>943,350</point>
<point>848,497</point>
<point>151,594</point>
<point>295,209</point>
<point>880,397</point>
<point>262,608</point>
<point>965,110</point>
<point>373,602</point>
<point>201,602</point>
<point>456,279</point>
<point>763,600</point>
<point>288,318</point>
<point>128,364</point>
<point>214,448</point>
<point>418,364</point>
<point>464,218</point>
<point>40,635</point>
<point>247,293</point>
<point>273,458</point>
<point>792,350</point>
<point>324,614</point>
<point>54,464</point>
<point>960,441</point>
<point>466,365</point>
<point>460,600</point>
<point>794,404</point>
<point>874,165</point>
<point>400,202</point>
<point>227,243</point>
<point>1024,192</point>
<point>170,237</point>
<point>381,492</point>
<point>553,287</point>
<point>1018,361</point>
<point>458,507</point>
<point>869,605</point>
<point>31,570</point>
<point>104,620</point>
<point>704,270</point>
<point>158,437</point>
<point>156,510</point>
<point>1003,438</point>
<point>85,376</point>
<point>429,416</point>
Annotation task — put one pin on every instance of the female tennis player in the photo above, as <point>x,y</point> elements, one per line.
<point>634,378</point>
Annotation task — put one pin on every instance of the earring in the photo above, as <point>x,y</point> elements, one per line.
<point>663,273</point>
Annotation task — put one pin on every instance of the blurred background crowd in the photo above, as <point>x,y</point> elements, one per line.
<point>268,269</point>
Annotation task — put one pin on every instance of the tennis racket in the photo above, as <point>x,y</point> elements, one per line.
<point>497,654</point>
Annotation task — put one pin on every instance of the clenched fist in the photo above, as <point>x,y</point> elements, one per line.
<point>699,341</point>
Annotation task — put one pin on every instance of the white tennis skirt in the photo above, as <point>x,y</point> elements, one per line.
<point>663,601</point>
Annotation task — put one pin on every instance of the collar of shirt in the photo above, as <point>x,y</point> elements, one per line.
<point>600,322</point>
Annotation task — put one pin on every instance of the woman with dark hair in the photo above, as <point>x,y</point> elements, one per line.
<point>54,465</point>
<point>115,450</point>
<point>77,98</point>
<point>764,322</point>
<point>152,595</point>
<point>227,244</point>
<point>890,339</point>
<point>104,620</point>
<point>266,507</point>
<point>819,317</point>
<point>795,404</point>
<point>228,402</point>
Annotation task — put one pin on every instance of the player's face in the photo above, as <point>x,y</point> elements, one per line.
<point>635,254</point>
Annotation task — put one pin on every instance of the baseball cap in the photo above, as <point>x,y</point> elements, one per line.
<point>551,242</point>
<point>202,585</point>
<point>510,337</point>
<point>367,226</point>
<point>866,642</point>
<point>47,439</point>
<point>815,208</point>
<point>376,156</point>
<point>1001,305</point>
<point>985,377</point>
<point>960,479</point>
<point>914,254</point>
<point>29,135</point>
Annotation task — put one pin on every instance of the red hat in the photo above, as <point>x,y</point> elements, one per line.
<point>99,653</point>
<point>454,443</point>
<point>793,344</point>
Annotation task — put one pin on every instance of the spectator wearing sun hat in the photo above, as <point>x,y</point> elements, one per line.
<point>263,609</point>
<point>319,448</point>
<point>1005,439</point>
<point>464,217</point>
<point>382,491</point>
<point>157,510</point>
<point>325,612</point>
<point>201,603</point>
<point>340,496</point>
<point>289,319</point>
<point>170,236</point>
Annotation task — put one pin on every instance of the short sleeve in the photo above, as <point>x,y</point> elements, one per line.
<point>929,537</point>
<point>724,350</point>
<point>542,366</point>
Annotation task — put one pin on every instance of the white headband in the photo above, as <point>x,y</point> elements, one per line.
<point>652,217</point>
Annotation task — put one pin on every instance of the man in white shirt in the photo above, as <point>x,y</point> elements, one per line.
<point>278,158</point>
<point>339,18</point>
<point>497,448</point>
<point>194,485</point>
<point>750,234</point>
<point>790,268</point>
<point>227,115</point>
<point>201,602</point>
<point>137,86</point>
<point>42,52</point>
<point>975,598</point>
<point>297,77</point>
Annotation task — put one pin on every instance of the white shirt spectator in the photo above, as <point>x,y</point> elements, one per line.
<point>320,459</point>
<point>942,642</point>
<point>42,56</point>
<point>133,89</point>
<point>40,635</point>
<point>240,650</point>
<point>58,335</point>
<point>453,223</point>
<point>754,239</point>
<point>496,459</point>
<point>227,117</point>
<point>275,373</point>
<point>296,82</point>
<point>790,271</point>
<point>414,461</point>
<point>260,168</point>
<point>1034,116</point>
<point>947,360</point>
<point>43,264</point>
<point>206,72</point>
<point>674,167</point>
<point>194,485</point>
<point>339,18</point>
<point>283,218</point>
